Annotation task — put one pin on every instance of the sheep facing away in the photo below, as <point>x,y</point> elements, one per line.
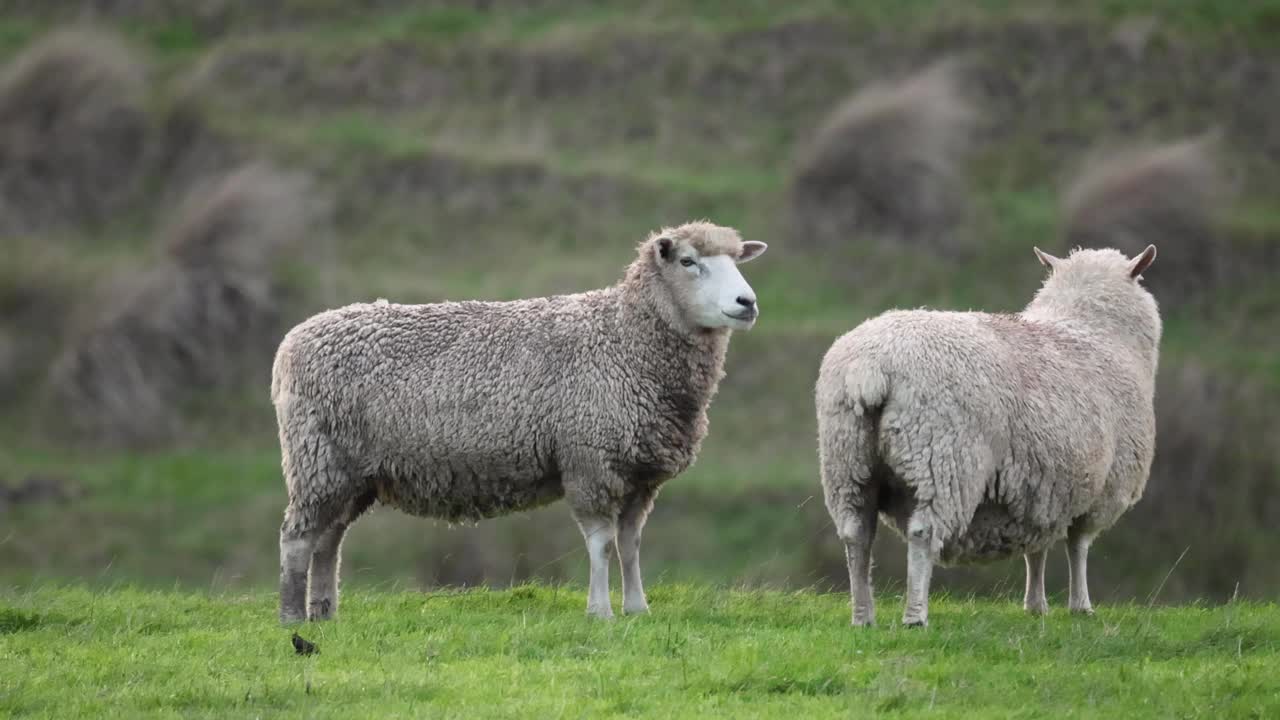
<point>978,436</point>
<point>470,410</point>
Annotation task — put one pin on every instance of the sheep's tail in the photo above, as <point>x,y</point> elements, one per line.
<point>867,388</point>
<point>849,406</point>
<point>1152,195</point>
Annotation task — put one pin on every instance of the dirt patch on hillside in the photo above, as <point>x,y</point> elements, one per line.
<point>37,489</point>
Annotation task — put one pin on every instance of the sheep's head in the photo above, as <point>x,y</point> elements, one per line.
<point>696,266</point>
<point>1101,285</point>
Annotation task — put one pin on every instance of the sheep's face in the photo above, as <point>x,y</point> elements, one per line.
<point>706,285</point>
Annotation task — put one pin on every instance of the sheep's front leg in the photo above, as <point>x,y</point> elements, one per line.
<point>919,571</point>
<point>1034,600</point>
<point>630,524</point>
<point>600,535</point>
<point>1077,559</point>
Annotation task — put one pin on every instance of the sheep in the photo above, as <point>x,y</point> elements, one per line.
<point>977,436</point>
<point>468,410</point>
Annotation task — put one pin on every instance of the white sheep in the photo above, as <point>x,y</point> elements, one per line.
<point>978,436</point>
<point>470,410</point>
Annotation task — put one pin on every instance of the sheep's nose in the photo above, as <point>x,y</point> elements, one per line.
<point>746,301</point>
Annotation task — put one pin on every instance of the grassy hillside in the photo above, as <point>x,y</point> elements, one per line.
<point>523,148</point>
<point>704,652</point>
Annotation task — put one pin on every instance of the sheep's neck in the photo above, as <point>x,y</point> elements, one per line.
<point>1083,318</point>
<point>697,353</point>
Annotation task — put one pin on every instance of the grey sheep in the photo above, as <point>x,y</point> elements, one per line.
<point>979,436</point>
<point>470,410</point>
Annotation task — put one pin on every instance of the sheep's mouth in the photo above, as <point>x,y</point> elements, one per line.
<point>747,316</point>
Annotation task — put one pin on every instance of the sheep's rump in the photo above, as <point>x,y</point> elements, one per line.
<point>995,426</point>
<point>448,410</point>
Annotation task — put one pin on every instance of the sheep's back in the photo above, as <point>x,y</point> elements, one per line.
<point>988,410</point>
<point>439,399</point>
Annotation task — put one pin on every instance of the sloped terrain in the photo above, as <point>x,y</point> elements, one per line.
<point>514,149</point>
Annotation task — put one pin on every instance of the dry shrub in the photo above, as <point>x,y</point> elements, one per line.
<point>206,312</point>
<point>1167,195</point>
<point>73,130</point>
<point>887,162</point>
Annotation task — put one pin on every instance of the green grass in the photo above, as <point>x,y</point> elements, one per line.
<point>703,652</point>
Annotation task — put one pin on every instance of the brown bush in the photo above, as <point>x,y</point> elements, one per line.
<point>1167,195</point>
<point>73,130</point>
<point>887,162</point>
<point>207,310</point>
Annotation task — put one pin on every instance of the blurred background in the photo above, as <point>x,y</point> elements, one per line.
<point>180,182</point>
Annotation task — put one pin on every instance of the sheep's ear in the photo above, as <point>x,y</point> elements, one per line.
<point>1139,264</point>
<point>751,250</point>
<point>664,245</point>
<point>1046,259</point>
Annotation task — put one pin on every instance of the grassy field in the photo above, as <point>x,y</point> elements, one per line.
<point>521,149</point>
<point>69,652</point>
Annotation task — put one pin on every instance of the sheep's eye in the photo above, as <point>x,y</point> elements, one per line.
<point>688,262</point>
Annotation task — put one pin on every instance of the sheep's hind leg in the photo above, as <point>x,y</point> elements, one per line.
<point>919,570</point>
<point>600,535</point>
<point>295,556</point>
<point>630,524</point>
<point>326,560</point>
<point>1034,601</point>
<point>1078,541</point>
<point>858,530</point>
<point>318,493</point>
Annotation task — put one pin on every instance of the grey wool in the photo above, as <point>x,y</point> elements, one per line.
<point>979,436</point>
<point>470,410</point>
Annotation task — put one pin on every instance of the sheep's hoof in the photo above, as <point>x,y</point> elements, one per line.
<point>1084,611</point>
<point>321,610</point>
<point>864,622</point>
<point>1036,609</point>
<point>600,613</point>
<point>915,623</point>
<point>638,610</point>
